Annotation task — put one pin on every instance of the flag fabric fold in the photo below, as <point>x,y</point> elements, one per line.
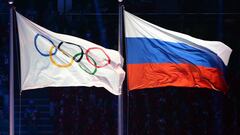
<point>157,57</point>
<point>49,59</point>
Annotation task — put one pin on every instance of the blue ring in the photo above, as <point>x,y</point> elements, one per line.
<point>35,43</point>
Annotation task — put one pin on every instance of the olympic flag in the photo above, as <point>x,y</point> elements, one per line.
<point>49,59</point>
<point>157,57</point>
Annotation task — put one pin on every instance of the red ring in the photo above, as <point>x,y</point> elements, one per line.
<point>87,57</point>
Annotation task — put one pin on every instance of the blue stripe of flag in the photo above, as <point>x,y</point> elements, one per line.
<point>146,50</point>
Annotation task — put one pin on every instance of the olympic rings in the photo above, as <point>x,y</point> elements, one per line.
<point>78,57</point>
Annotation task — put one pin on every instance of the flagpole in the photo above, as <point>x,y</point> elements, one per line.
<point>120,49</point>
<point>11,79</point>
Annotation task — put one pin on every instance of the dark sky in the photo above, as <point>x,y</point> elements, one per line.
<point>151,111</point>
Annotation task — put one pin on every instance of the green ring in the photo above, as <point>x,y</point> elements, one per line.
<point>95,63</point>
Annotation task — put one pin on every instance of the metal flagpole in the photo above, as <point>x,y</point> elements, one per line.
<point>11,79</point>
<point>120,49</point>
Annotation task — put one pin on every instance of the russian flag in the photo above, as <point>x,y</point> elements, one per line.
<point>157,57</point>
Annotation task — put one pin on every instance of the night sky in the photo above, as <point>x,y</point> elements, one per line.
<point>93,111</point>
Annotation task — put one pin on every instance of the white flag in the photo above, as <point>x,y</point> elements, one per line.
<point>49,59</point>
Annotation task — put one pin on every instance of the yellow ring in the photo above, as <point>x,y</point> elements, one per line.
<point>55,63</point>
